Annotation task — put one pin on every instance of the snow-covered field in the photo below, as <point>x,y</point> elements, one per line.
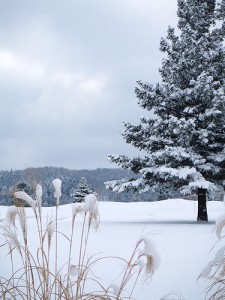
<point>184,244</point>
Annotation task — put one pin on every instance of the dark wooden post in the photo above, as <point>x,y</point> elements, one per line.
<point>202,208</point>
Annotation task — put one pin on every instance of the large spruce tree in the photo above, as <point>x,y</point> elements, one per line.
<point>183,143</point>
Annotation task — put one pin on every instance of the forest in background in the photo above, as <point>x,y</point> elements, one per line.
<point>70,179</point>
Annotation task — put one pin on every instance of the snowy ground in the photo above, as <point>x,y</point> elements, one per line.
<point>183,243</point>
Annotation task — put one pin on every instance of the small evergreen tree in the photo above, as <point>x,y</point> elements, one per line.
<point>82,189</point>
<point>183,142</point>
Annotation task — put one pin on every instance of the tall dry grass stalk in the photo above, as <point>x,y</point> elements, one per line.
<point>175,295</point>
<point>41,276</point>
<point>215,270</point>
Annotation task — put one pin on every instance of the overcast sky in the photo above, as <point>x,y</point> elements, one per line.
<point>68,71</point>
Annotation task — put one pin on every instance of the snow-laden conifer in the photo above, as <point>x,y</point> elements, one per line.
<point>182,139</point>
<point>83,189</point>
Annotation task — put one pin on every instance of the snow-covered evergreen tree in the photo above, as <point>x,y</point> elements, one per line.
<point>82,190</point>
<point>183,144</point>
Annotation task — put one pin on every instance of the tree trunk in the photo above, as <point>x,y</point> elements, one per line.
<point>202,208</point>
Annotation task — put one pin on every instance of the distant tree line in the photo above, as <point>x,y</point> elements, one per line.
<point>9,180</point>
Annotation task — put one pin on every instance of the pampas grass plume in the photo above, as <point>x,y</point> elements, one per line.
<point>50,231</point>
<point>11,237</point>
<point>38,194</point>
<point>91,207</point>
<point>11,216</point>
<point>220,223</point>
<point>57,183</point>
<point>77,209</point>
<point>205,273</point>
<point>176,295</point>
<point>151,255</point>
<point>25,197</point>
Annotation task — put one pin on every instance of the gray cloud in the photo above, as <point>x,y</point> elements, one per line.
<point>68,70</point>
